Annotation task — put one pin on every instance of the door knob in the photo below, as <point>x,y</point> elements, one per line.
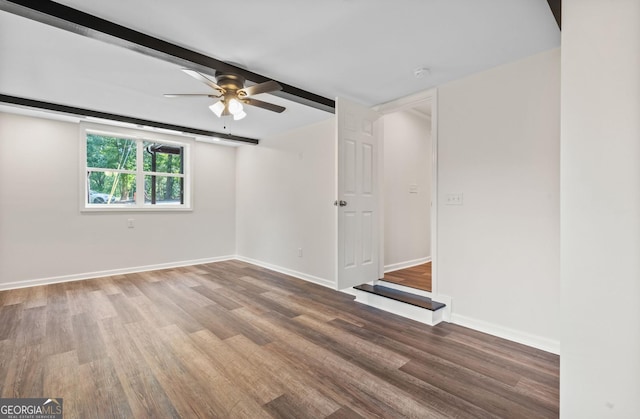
<point>340,203</point>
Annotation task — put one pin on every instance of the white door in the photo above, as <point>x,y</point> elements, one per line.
<point>358,201</point>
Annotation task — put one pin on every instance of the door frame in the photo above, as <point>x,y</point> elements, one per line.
<point>395,106</point>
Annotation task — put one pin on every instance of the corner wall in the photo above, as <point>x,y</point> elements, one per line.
<point>498,253</point>
<point>44,236</point>
<point>600,358</point>
<point>286,189</point>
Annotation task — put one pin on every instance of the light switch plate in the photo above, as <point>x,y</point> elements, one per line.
<point>453,199</point>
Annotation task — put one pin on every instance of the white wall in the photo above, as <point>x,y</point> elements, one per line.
<point>43,234</point>
<point>498,254</point>
<point>600,358</point>
<point>286,189</point>
<point>407,161</point>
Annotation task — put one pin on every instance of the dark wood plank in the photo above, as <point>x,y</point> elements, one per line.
<point>291,377</point>
<point>164,303</point>
<point>9,320</point>
<point>36,318</point>
<point>126,283</point>
<point>231,339</point>
<point>287,406</point>
<point>88,341</point>
<point>25,374</point>
<point>102,392</point>
<point>215,297</point>
<point>240,370</point>
<point>59,333</point>
<point>37,297</point>
<point>303,346</point>
<point>126,311</point>
<point>405,297</point>
<point>17,296</point>
<point>205,376</point>
<point>187,398</point>
<point>344,413</point>
<point>479,391</point>
<point>144,393</point>
<point>61,377</point>
<point>380,363</point>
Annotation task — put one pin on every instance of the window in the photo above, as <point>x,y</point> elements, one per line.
<point>124,172</point>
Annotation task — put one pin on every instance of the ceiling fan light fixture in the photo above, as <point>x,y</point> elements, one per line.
<point>235,106</point>
<point>239,115</point>
<point>233,95</point>
<point>217,108</point>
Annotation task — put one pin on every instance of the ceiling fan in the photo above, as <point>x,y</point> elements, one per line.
<point>230,90</point>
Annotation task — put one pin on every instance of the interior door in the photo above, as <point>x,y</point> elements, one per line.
<point>358,134</point>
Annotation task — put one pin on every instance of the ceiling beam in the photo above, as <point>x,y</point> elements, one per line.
<point>556,9</point>
<point>72,110</point>
<point>73,20</point>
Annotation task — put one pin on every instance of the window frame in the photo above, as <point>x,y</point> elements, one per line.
<point>140,137</point>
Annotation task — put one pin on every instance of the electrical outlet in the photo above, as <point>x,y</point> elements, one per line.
<point>300,252</point>
<point>131,223</point>
<point>453,199</point>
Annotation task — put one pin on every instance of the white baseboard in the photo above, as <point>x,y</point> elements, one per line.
<point>110,272</point>
<point>406,264</point>
<point>539,342</point>
<point>316,280</point>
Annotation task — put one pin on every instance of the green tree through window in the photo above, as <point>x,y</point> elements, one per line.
<point>118,167</point>
<point>119,154</point>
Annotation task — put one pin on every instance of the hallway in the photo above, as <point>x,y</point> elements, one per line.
<point>415,277</point>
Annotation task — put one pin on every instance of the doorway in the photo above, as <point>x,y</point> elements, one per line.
<point>409,193</point>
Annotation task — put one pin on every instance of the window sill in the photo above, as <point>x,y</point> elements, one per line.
<point>115,208</point>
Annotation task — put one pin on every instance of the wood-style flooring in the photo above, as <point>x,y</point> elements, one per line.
<point>232,340</point>
<point>415,277</point>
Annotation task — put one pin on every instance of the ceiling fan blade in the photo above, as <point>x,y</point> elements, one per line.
<point>201,77</point>
<point>266,87</point>
<point>190,95</point>
<point>264,105</point>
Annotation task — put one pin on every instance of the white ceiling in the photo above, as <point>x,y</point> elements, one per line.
<point>365,50</point>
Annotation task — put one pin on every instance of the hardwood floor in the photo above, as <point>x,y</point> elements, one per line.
<point>231,340</point>
<point>415,277</point>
